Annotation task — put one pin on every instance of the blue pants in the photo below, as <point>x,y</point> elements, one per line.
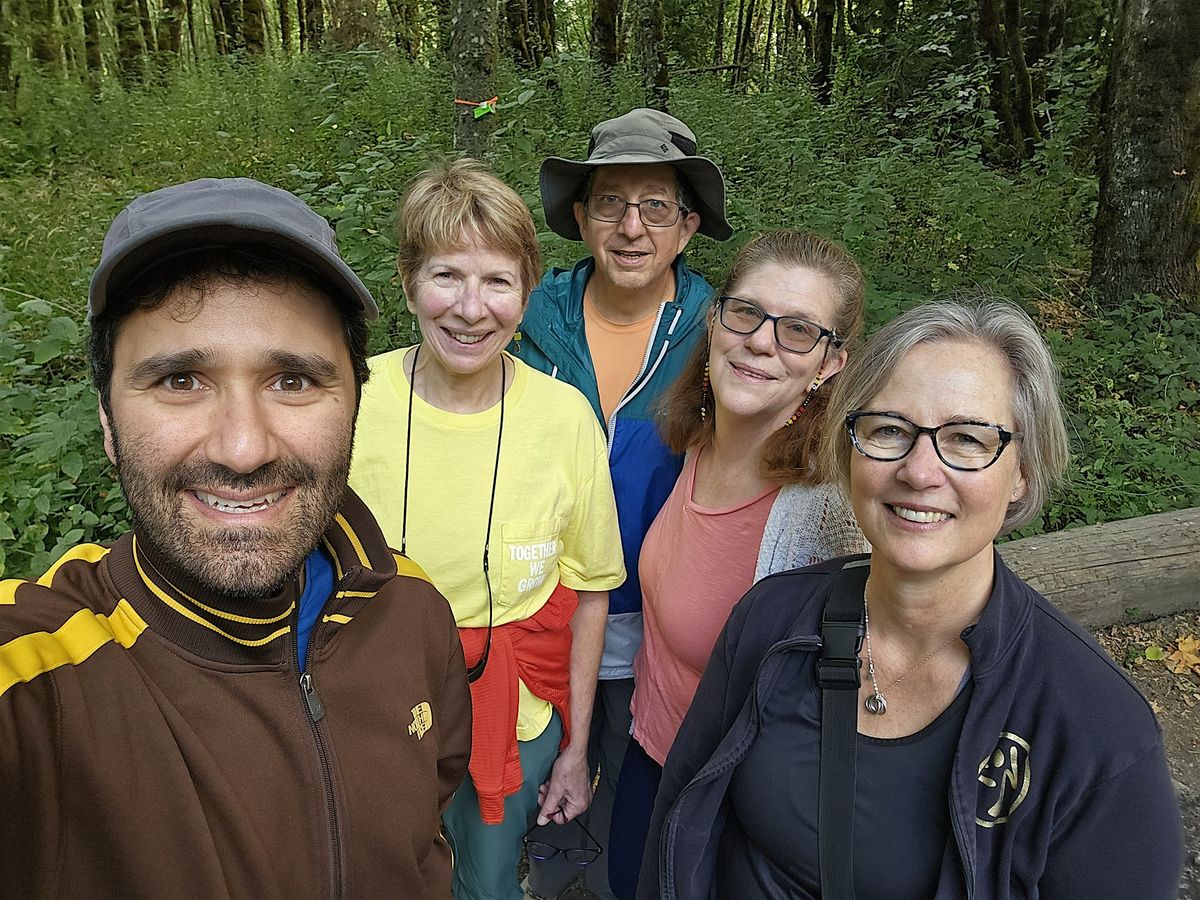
<point>486,856</point>
<point>632,809</point>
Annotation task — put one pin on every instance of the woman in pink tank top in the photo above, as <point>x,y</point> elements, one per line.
<point>747,410</point>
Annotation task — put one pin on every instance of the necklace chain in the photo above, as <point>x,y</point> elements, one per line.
<point>876,704</point>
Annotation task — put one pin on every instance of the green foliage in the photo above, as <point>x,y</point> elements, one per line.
<point>898,168</point>
<point>1131,377</point>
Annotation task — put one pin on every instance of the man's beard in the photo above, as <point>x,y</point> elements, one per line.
<point>238,561</point>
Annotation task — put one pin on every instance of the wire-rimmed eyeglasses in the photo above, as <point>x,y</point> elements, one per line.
<point>965,445</point>
<point>580,856</point>
<point>653,212</point>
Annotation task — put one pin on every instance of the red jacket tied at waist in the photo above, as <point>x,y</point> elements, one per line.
<point>536,651</point>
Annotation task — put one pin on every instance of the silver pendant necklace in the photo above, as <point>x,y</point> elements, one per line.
<point>876,704</point>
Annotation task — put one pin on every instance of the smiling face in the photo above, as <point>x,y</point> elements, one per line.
<point>922,517</point>
<point>629,256</point>
<point>752,378</point>
<point>232,418</point>
<point>468,303</point>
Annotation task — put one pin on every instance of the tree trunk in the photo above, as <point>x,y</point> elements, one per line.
<point>91,11</point>
<point>404,26</point>
<point>604,32</point>
<point>473,55</point>
<point>314,23</point>
<point>544,27</point>
<point>220,31</point>
<point>767,45</point>
<point>652,53</point>
<point>737,43</point>
<point>1030,133</point>
<point>232,15</point>
<point>889,17</point>
<point>823,50</point>
<point>254,28</point>
<point>7,31</point>
<point>71,30</point>
<point>176,13</point>
<point>520,40</point>
<point>991,30</point>
<point>47,36</point>
<point>285,25</point>
<point>148,33</point>
<point>191,24</point>
<point>301,24</point>
<point>130,48</point>
<point>1147,233</point>
<point>745,42</point>
<point>445,24</point>
<point>1047,39</point>
<point>719,35</point>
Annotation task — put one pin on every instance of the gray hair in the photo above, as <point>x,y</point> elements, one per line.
<point>993,323</point>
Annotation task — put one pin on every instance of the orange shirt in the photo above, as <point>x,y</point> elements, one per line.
<point>617,353</point>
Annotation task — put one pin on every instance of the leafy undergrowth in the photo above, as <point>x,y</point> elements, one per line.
<point>910,188</point>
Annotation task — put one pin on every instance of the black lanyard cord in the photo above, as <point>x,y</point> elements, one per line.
<point>474,672</point>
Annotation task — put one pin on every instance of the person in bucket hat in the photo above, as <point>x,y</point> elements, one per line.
<point>235,697</point>
<point>619,326</point>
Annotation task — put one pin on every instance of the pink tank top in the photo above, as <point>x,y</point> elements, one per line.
<point>695,564</point>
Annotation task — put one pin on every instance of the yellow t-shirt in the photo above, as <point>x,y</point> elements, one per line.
<point>555,518</point>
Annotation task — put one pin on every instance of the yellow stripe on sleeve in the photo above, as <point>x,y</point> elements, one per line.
<point>338,618</point>
<point>25,658</point>
<point>408,568</point>
<point>91,553</point>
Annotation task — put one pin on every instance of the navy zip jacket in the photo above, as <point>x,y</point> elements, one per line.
<point>1059,787</point>
<point>552,339</point>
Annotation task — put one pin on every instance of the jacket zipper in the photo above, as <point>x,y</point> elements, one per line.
<point>315,712</point>
<point>641,381</point>
<point>798,643</point>
<point>960,841</point>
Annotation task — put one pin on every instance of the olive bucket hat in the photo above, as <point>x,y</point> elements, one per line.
<point>640,137</point>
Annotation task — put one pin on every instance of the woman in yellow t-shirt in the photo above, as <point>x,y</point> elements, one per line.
<point>494,478</point>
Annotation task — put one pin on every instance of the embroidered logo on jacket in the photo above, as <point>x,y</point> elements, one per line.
<point>1005,777</point>
<point>422,720</point>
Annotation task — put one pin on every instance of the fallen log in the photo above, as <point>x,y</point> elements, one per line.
<point>1131,570</point>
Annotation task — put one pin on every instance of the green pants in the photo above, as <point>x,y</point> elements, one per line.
<point>486,856</point>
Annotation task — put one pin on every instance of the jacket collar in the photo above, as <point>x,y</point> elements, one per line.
<point>991,640</point>
<point>247,629</point>
<point>561,320</point>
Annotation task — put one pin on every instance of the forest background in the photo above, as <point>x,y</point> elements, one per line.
<point>1046,151</point>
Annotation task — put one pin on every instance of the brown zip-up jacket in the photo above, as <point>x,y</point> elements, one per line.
<point>156,743</point>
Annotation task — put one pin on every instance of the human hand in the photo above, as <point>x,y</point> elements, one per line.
<point>568,792</point>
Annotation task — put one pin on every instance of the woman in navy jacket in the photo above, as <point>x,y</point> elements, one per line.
<point>1001,753</point>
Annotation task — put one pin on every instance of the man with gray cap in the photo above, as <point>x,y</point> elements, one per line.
<point>619,326</point>
<point>248,694</point>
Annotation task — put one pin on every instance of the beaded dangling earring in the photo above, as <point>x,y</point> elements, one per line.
<point>812,392</point>
<point>704,395</point>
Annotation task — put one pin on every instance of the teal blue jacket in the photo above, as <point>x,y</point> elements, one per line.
<point>551,339</point>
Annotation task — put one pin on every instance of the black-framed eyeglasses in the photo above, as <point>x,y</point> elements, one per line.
<point>653,212</point>
<point>792,333</point>
<point>580,856</point>
<point>967,446</point>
